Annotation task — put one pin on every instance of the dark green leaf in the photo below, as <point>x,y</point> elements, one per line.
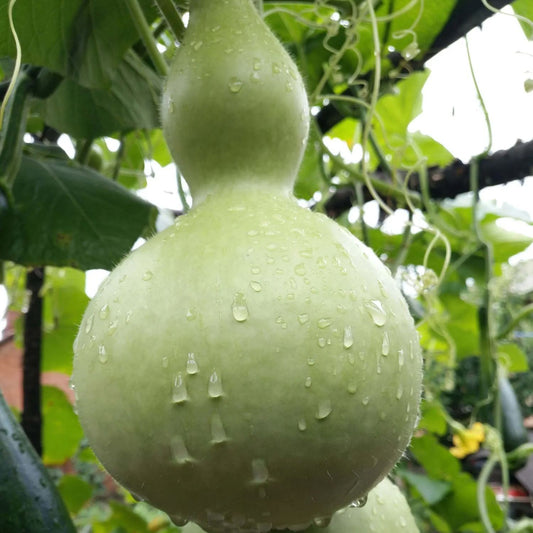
<point>82,40</point>
<point>68,215</point>
<point>131,102</point>
<point>433,418</point>
<point>437,460</point>
<point>61,429</point>
<point>513,358</point>
<point>431,490</point>
<point>123,518</point>
<point>524,8</point>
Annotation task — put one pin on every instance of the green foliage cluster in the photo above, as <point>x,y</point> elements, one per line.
<point>92,76</point>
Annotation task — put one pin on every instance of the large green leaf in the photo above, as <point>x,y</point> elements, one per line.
<point>61,429</point>
<point>75,492</point>
<point>524,8</point>
<point>131,102</point>
<point>69,215</point>
<point>85,40</point>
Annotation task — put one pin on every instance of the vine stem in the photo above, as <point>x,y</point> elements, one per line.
<point>480,492</point>
<point>168,10</point>
<point>145,32</point>
<point>525,311</point>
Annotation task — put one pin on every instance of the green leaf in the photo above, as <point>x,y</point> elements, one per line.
<point>431,490</point>
<point>437,460</point>
<point>61,429</point>
<point>64,304</point>
<point>122,519</point>
<point>309,179</point>
<point>433,418</point>
<point>82,40</point>
<point>505,243</point>
<point>130,102</point>
<point>75,491</point>
<point>513,358</point>
<point>524,8</point>
<point>69,215</point>
<point>460,506</point>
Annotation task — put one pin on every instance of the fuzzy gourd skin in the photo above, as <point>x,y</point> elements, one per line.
<point>386,511</point>
<point>254,366</point>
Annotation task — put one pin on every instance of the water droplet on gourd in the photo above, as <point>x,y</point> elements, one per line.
<point>399,392</point>
<point>191,314</point>
<point>259,472</point>
<point>322,521</point>
<point>360,502</point>
<point>276,69</point>
<point>365,401</point>
<point>288,87</point>
<point>179,390</point>
<point>302,425</point>
<point>197,45</point>
<point>299,269</point>
<point>303,318</point>
<point>239,307</point>
<point>104,312</point>
<point>192,365</point>
<point>178,520</point>
<point>351,358</point>
<point>214,29</point>
<point>147,276</point>
<point>385,344</point>
<point>89,324</point>
<point>218,433</point>
<point>256,286</point>
<point>308,381</point>
<point>214,386</point>
<point>112,327</point>
<point>348,337</point>
<point>255,77</point>
<point>122,278</point>
<point>103,356</point>
<point>324,323</point>
<point>164,361</point>
<point>401,357</point>
<point>128,317</point>
<point>228,51</point>
<point>255,270</point>
<point>403,522</point>
<point>180,454</point>
<point>352,388</point>
<point>376,312</point>
<point>322,342</point>
<point>324,409</point>
<point>310,361</point>
<point>235,85</point>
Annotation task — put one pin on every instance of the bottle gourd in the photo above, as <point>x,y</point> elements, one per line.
<point>254,366</point>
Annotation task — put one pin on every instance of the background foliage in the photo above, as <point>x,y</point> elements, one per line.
<point>92,78</point>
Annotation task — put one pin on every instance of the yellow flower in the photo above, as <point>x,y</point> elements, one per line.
<point>467,441</point>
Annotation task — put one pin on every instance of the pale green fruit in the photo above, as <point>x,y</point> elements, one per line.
<point>253,366</point>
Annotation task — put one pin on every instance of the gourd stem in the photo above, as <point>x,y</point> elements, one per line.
<point>172,18</point>
<point>145,32</point>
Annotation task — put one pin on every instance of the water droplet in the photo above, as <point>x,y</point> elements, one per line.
<point>218,433</point>
<point>399,392</point>
<point>382,289</point>
<point>352,388</point>
<point>401,358</point>
<point>385,345</point>
<point>302,425</point>
<point>276,69</point>
<point>324,410</point>
<point>307,253</point>
<point>310,361</point>
<point>348,337</point>
<point>178,520</point>
<point>299,269</point>
<point>322,342</point>
<point>214,387</point>
<point>288,87</point>
<point>192,314</point>
<point>239,307</point>
<point>411,350</point>
<point>324,323</point>
<point>360,502</point>
<point>228,51</point>
<point>303,318</point>
<point>89,324</point>
<point>259,472</point>
<point>376,312</point>
<point>235,85</point>
<point>122,278</point>
<point>322,521</point>
<point>256,286</point>
<point>180,454</point>
<point>192,365</point>
<point>128,317</point>
<point>179,390</point>
<point>197,45</point>
<point>255,270</point>
<point>365,401</point>
<point>164,361</point>
<point>257,63</point>
<point>382,415</point>
<point>112,327</point>
<point>308,382</point>
<point>147,275</point>
<point>103,357</point>
<point>104,312</point>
